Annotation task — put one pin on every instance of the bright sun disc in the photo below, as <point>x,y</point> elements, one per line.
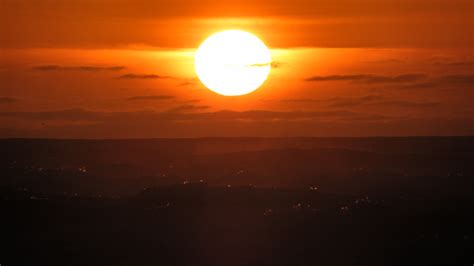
<point>232,62</point>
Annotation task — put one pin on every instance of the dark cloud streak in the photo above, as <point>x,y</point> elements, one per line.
<point>151,97</point>
<point>273,64</point>
<point>188,108</point>
<point>455,64</point>
<point>445,82</point>
<point>141,76</point>
<point>7,100</point>
<point>403,81</point>
<point>177,114</point>
<point>370,78</point>
<point>77,68</point>
<point>367,100</point>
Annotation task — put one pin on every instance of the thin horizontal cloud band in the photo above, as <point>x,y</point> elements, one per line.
<point>177,114</point>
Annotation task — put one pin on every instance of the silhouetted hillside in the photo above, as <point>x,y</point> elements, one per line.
<point>249,201</point>
<point>194,224</point>
<point>429,167</point>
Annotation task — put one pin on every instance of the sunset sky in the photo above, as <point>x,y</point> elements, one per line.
<point>125,69</point>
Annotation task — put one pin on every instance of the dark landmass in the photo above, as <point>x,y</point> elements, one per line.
<point>243,201</point>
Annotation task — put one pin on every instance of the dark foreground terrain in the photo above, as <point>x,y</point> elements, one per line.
<point>398,201</point>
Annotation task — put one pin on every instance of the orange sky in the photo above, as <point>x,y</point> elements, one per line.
<point>123,68</point>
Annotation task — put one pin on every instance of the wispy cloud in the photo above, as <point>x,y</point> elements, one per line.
<point>82,123</point>
<point>445,81</point>
<point>408,104</point>
<point>367,100</point>
<point>6,100</point>
<point>457,79</point>
<point>77,68</point>
<point>410,22</point>
<point>370,78</point>
<point>189,108</point>
<point>66,114</point>
<point>455,64</point>
<point>404,81</point>
<point>180,114</point>
<point>141,76</point>
<point>273,64</point>
<point>188,82</point>
<point>336,78</point>
<point>386,61</point>
<point>404,78</point>
<point>192,101</point>
<point>150,97</point>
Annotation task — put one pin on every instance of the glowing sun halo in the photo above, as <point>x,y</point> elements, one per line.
<point>232,62</point>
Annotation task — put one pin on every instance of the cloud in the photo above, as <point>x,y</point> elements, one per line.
<point>338,101</point>
<point>455,64</point>
<point>377,101</point>
<point>336,78</point>
<point>80,123</point>
<point>457,79</point>
<point>66,114</point>
<point>273,64</point>
<point>403,81</point>
<point>370,78</point>
<point>445,81</point>
<point>411,23</point>
<point>303,100</point>
<point>77,68</point>
<point>180,114</point>
<point>277,64</point>
<point>141,76</point>
<point>405,78</point>
<point>189,82</point>
<point>386,61</point>
<point>189,107</point>
<point>7,100</point>
<point>151,97</point>
<point>344,102</point>
<point>367,100</point>
<point>192,101</point>
<point>408,104</point>
<point>419,85</point>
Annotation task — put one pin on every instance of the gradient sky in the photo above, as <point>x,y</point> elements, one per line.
<point>124,69</point>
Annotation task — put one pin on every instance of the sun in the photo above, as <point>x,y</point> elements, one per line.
<point>232,62</point>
